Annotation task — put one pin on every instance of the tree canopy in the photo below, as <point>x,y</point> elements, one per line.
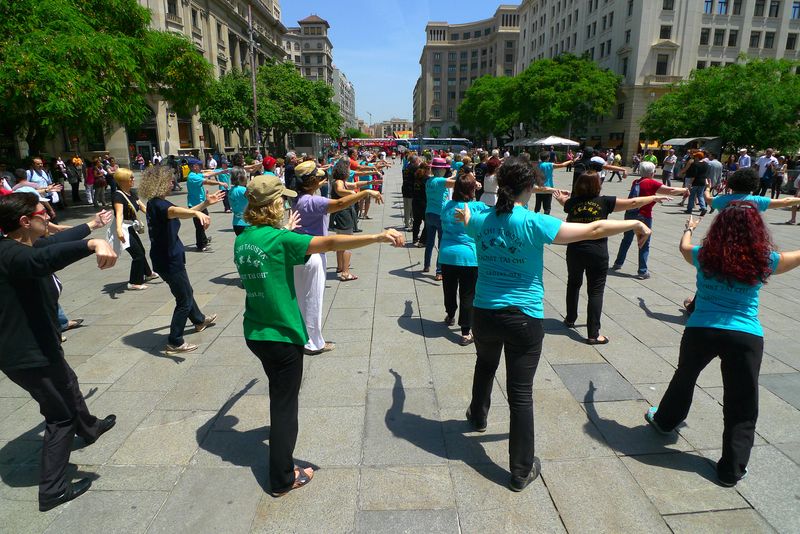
<point>548,96</point>
<point>230,102</point>
<point>287,102</point>
<point>354,133</point>
<point>753,103</point>
<point>86,64</point>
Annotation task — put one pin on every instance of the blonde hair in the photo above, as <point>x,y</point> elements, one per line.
<point>123,175</point>
<point>270,214</point>
<point>156,182</point>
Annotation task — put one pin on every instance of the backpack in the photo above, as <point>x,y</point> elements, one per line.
<point>635,190</point>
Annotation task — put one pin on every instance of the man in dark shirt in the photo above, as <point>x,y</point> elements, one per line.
<point>288,171</point>
<point>408,190</point>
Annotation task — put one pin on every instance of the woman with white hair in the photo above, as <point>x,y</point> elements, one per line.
<point>643,187</point>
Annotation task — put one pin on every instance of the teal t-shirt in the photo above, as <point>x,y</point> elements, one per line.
<point>436,192</point>
<point>456,166</point>
<point>720,304</point>
<point>226,179</point>
<point>547,169</point>
<point>457,248</point>
<point>238,204</point>
<point>196,193</point>
<point>510,249</point>
<point>720,202</point>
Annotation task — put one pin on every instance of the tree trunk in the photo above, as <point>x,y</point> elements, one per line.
<point>35,137</point>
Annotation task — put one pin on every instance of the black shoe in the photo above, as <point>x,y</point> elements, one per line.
<point>74,490</point>
<point>477,426</point>
<point>520,483</point>
<point>357,231</point>
<point>702,213</point>
<point>105,425</point>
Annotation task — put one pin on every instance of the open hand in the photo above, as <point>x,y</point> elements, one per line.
<point>392,236</point>
<point>463,214</point>
<point>215,197</point>
<point>692,223</point>
<point>294,221</point>
<point>102,218</point>
<point>376,196</point>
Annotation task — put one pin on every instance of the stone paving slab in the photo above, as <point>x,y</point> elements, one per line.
<point>190,448</point>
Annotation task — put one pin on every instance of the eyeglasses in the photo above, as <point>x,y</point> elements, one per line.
<point>41,213</point>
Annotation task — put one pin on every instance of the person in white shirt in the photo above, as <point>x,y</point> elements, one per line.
<point>744,159</point>
<point>669,167</point>
<point>766,161</point>
<point>212,163</point>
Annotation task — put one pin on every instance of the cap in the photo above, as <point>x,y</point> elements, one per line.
<point>588,151</point>
<point>439,163</point>
<point>742,150</point>
<point>307,168</point>
<point>269,162</point>
<point>265,188</point>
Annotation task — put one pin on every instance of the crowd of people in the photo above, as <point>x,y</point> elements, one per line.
<point>492,217</point>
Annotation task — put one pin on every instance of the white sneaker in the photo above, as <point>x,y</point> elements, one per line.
<point>209,320</point>
<point>186,347</point>
<point>135,287</point>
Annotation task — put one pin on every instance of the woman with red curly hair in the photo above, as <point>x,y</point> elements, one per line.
<point>736,259</point>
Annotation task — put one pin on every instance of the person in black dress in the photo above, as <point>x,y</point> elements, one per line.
<point>126,213</point>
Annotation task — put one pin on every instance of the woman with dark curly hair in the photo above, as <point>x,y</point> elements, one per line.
<point>736,259</point>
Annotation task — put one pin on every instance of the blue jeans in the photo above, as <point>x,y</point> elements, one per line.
<point>63,321</point>
<point>627,239</point>
<point>697,192</point>
<point>433,227</point>
<point>185,306</point>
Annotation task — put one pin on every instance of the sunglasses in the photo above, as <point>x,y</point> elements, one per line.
<point>41,213</point>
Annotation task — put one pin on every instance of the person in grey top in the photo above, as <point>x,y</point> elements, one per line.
<point>714,169</point>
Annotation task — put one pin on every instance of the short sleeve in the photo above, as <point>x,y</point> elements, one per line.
<point>476,221</point>
<point>195,178</point>
<point>438,182</point>
<point>477,207</point>
<point>295,245</point>
<point>763,203</point>
<point>774,259</point>
<point>695,256</point>
<point>546,228</point>
<point>717,203</point>
<point>319,205</point>
<point>610,204</point>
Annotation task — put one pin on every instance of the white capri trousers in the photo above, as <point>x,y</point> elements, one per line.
<point>309,285</point>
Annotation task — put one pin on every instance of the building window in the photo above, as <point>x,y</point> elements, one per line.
<point>194,19</point>
<point>436,113</point>
<point>737,7</point>
<point>630,7</point>
<point>508,72</point>
<point>722,7</point>
<point>666,32</point>
<point>719,37</point>
<point>473,65</point>
<point>774,8</point>
<point>796,10</point>
<point>451,82</point>
<point>462,67</point>
<point>620,111</point>
<point>715,64</point>
<point>451,114</point>
<point>454,37</point>
<point>319,71</point>
<point>627,36</point>
<point>705,33</point>
<point>759,9</point>
<point>451,56</point>
<point>172,7</point>
<point>437,69</point>
<point>791,41</point>
<point>662,64</point>
<point>509,58</point>
<point>769,40</point>
<point>308,59</point>
<point>701,65</point>
<point>437,82</point>
<point>219,31</point>
<point>733,37</point>
<point>755,39</point>
<point>708,6</point>
<point>451,69</point>
<point>437,56</point>
<point>437,95</point>
<point>624,66</point>
<point>463,55</point>
<point>451,95</point>
<point>473,54</point>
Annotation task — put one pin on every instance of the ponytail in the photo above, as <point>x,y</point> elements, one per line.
<point>515,176</point>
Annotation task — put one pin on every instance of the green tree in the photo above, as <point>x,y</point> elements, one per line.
<point>434,132</point>
<point>354,133</point>
<point>87,64</point>
<point>753,103</point>
<point>554,95</point>
<point>488,107</point>
<point>229,103</point>
<point>288,103</point>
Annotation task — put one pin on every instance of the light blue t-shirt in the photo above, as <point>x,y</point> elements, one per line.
<point>436,192</point>
<point>196,192</point>
<point>457,248</point>
<point>238,204</point>
<point>510,248</point>
<point>456,165</point>
<point>547,169</point>
<point>224,178</point>
<point>719,304</point>
<point>720,202</point>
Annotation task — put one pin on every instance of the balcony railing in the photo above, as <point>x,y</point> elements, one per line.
<point>658,79</point>
<point>175,19</point>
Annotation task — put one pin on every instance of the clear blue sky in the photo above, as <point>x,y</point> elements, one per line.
<point>377,44</point>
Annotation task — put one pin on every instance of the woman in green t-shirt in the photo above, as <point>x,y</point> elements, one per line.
<point>265,255</point>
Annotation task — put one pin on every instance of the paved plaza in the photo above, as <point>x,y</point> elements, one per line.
<point>382,416</point>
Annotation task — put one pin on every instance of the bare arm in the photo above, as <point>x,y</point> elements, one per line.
<point>615,168</point>
<point>118,220</point>
<point>572,232</point>
<point>788,261</point>
<point>347,242</point>
<point>338,204</point>
<point>673,191</point>
<point>341,188</point>
<point>562,164</point>
<point>785,202</point>
<point>624,204</point>
<point>686,239</point>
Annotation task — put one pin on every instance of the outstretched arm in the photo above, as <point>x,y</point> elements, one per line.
<point>788,261</point>
<point>624,204</point>
<point>572,232</point>
<point>347,242</point>
<point>686,239</point>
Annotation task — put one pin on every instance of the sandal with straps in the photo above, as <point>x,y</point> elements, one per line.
<point>301,478</point>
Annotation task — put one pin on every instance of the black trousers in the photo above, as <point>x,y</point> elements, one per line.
<point>741,361</point>
<point>596,268</point>
<point>418,213</point>
<point>283,364</point>
<point>543,200</point>
<point>185,305</point>
<point>139,266</point>
<point>238,229</point>
<point>461,280</point>
<point>76,196</point>
<point>201,240</point>
<point>55,387</point>
<point>521,337</point>
<point>226,203</point>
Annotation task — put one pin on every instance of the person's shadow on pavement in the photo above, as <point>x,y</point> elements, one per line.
<point>629,442</point>
<point>428,435</point>
<point>246,448</point>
